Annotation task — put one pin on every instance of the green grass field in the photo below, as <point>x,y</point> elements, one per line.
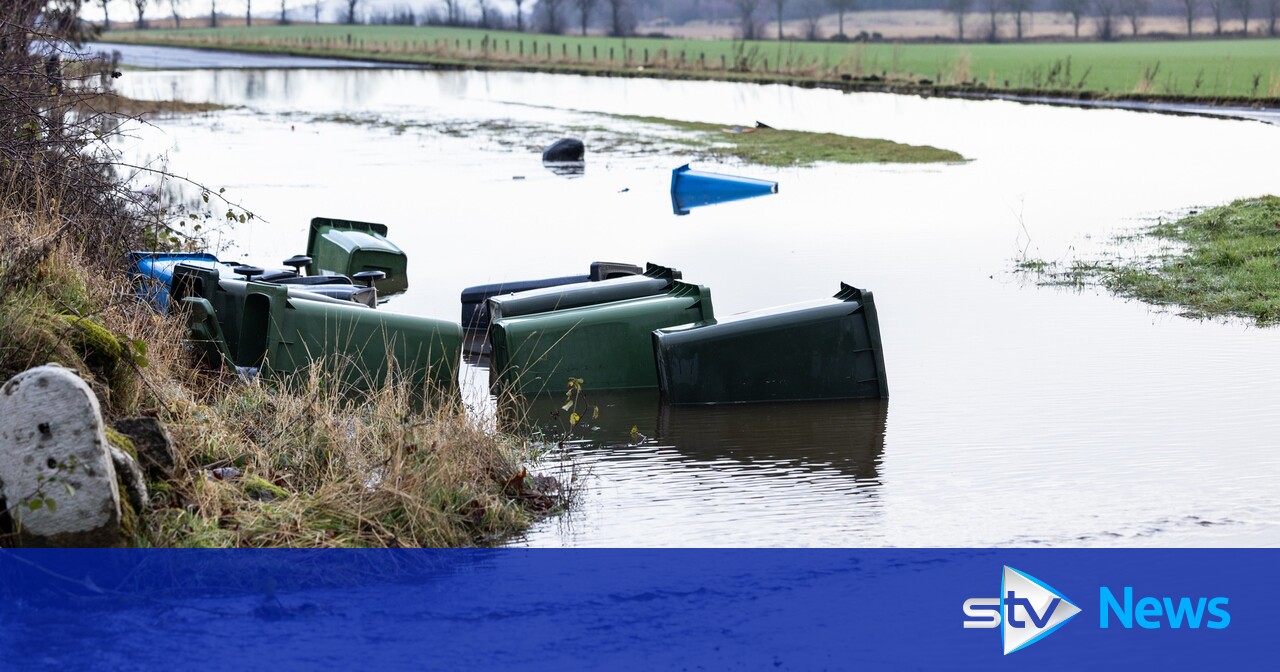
<point>1217,262</point>
<point>1208,70</point>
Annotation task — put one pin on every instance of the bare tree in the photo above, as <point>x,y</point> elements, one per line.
<point>284,18</point>
<point>842,6</point>
<point>1273,13</point>
<point>813,18</point>
<point>351,11</point>
<point>483,6</point>
<point>1105,12</point>
<point>779,5</point>
<point>1077,9</point>
<point>1190,5</point>
<point>106,17</point>
<point>747,18</point>
<point>957,9</point>
<point>451,12</point>
<point>993,8</point>
<point>585,7</point>
<point>519,16</point>
<point>142,7</point>
<point>1245,7</point>
<point>551,11</point>
<point>1134,10</point>
<point>1018,8</point>
<point>620,18</point>
<point>213,13</point>
<point>174,5</point>
<point>248,13</point>
<point>1218,8</point>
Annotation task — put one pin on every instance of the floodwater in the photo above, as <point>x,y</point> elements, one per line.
<point>1019,415</point>
<point>180,58</point>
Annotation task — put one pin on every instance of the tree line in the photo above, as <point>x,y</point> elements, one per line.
<point>988,20</point>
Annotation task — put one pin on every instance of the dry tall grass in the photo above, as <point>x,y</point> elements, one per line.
<point>260,463</point>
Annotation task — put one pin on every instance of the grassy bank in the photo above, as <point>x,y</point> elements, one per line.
<point>259,463</point>
<point>1222,261</point>
<point>1240,71</point>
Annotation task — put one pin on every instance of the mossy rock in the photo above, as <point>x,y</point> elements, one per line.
<point>120,441</point>
<point>102,355</point>
<point>130,522</point>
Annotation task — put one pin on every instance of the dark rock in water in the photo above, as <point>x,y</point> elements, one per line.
<point>152,442</point>
<point>565,149</point>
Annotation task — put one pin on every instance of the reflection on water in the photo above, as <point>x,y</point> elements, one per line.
<point>844,436</point>
<point>569,169</point>
<point>607,417</point>
<point>1020,415</point>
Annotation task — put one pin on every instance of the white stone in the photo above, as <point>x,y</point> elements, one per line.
<point>52,447</point>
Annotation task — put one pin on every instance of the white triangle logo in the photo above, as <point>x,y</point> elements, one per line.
<point>1030,610</point>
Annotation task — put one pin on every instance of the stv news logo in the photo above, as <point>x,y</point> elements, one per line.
<point>1027,610</point>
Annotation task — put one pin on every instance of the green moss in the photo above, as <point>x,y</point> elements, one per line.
<point>121,441</point>
<point>103,355</point>
<point>34,330</point>
<point>261,489</point>
<point>130,523</point>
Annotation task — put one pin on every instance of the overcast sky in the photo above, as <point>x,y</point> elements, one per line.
<point>123,10</point>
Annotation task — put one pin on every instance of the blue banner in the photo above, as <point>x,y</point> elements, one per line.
<point>520,609</point>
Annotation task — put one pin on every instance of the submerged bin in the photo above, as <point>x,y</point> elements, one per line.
<point>475,312</point>
<point>655,280</point>
<point>346,247</point>
<point>828,349</point>
<point>608,345</point>
<point>695,188</point>
<point>269,327</point>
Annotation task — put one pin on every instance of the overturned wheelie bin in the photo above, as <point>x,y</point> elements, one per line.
<point>347,247</point>
<point>608,345</point>
<point>272,328</point>
<point>152,274</point>
<point>825,349</point>
<point>655,280</point>
<point>475,312</point>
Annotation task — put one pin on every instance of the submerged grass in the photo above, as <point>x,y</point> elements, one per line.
<point>1222,261</point>
<point>132,107</point>
<point>777,147</point>
<point>690,139</point>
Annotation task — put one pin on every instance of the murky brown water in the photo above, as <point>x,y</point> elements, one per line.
<point>1019,415</point>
